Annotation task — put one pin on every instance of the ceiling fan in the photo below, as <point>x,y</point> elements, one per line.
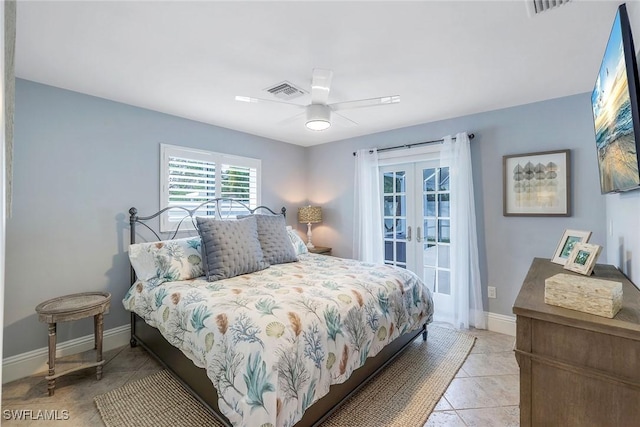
<point>319,113</point>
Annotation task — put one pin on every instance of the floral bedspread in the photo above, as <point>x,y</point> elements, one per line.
<point>272,342</point>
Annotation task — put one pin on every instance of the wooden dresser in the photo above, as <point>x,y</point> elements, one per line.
<point>577,369</point>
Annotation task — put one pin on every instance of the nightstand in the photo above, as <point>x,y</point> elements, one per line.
<point>69,308</point>
<point>320,250</point>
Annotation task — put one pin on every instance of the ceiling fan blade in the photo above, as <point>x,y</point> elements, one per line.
<point>261,100</point>
<point>342,120</point>
<point>371,102</point>
<point>320,86</point>
<point>292,119</point>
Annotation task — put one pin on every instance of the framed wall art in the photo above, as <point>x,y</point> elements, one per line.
<point>569,239</point>
<point>537,184</point>
<point>583,258</point>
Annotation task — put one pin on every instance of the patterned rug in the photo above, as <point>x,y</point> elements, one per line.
<point>402,395</point>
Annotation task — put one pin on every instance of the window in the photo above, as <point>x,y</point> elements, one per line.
<point>189,177</point>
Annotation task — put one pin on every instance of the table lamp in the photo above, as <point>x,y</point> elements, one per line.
<point>309,215</point>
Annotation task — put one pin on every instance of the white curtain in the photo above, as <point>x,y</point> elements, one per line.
<point>466,290</point>
<point>368,242</point>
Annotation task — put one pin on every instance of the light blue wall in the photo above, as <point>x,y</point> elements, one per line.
<point>507,244</point>
<point>80,163</point>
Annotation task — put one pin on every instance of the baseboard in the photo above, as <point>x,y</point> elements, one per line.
<point>501,323</point>
<point>35,361</point>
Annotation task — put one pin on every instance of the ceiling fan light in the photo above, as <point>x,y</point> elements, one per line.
<point>318,117</point>
<point>318,125</point>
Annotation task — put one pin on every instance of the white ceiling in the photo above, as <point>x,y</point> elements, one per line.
<point>190,59</point>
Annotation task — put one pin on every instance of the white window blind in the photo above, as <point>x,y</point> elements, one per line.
<point>189,177</point>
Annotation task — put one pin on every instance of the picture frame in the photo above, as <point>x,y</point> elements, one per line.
<point>537,184</point>
<point>583,258</point>
<point>566,244</point>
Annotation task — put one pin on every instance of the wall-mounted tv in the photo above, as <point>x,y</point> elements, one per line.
<point>615,110</point>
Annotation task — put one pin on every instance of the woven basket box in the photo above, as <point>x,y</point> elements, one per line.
<point>589,295</point>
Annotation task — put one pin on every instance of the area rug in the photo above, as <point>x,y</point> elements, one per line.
<point>402,395</point>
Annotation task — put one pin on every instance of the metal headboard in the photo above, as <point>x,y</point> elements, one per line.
<point>190,213</point>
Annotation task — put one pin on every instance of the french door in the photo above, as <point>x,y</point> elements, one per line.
<point>416,215</point>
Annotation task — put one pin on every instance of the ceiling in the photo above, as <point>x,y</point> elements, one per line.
<point>190,59</point>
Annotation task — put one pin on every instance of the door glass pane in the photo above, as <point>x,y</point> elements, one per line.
<point>443,205</point>
<point>401,251</point>
<point>401,206</point>
<point>388,182</point>
<point>444,285</point>
<point>400,182</point>
<point>388,227</point>
<point>443,182</point>
<point>388,251</point>
<point>430,254</point>
<point>443,231</point>
<point>443,256</point>
<point>429,180</point>
<point>430,230</point>
<point>401,229</point>
<point>429,201</point>
<point>429,278</point>
<point>388,206</point>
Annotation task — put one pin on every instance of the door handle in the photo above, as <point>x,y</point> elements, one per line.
<point>419,236</point>
<point>409,234</point>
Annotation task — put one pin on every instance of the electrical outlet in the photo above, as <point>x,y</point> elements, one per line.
<point>491,292</point>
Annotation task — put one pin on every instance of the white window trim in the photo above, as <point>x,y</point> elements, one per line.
<point>410,155</point>
<point>219,159</point>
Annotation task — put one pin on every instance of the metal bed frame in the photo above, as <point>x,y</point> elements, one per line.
<point>195,379</point>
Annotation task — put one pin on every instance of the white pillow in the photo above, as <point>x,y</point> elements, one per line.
<point>170,260</point>
<point>296,241</point>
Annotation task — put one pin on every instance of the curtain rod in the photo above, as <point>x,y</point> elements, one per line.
<point>435,141</point>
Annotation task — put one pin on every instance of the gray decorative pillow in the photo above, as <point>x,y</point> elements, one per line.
<point>230,247</point>
<point>274,240</point>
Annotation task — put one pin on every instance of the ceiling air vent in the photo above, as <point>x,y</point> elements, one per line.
<point>285,90</point>
<point>535,7</point>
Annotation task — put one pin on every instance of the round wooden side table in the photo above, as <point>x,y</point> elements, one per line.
<point>68,308</point>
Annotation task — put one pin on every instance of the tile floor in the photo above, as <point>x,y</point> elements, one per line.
<point>483,393</point>
<point>75,392</point>
<point>486,390</point>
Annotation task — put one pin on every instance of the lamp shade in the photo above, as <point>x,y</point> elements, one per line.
<point>310,214</point>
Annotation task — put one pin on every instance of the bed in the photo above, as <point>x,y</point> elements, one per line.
<point>281,346</point>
